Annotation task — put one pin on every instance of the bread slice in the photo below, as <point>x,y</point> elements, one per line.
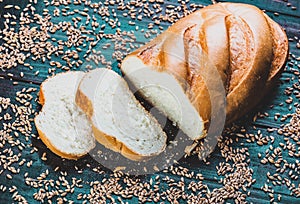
<point>119,121</point>
<point>164,92</point>
<point>61,125</point>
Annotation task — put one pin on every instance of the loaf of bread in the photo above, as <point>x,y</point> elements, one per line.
<point>119,121</point>
<point>226,55</point>
<point>245,47</point>
<point>61,125</point>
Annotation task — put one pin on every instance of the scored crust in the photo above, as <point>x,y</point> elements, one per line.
<point>280,51</point>
<point>254,73</point>
<point>253,77</point>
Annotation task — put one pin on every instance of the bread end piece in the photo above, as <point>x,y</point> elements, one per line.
<point>57,96</point>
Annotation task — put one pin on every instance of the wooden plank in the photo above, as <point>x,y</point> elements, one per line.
<point>291,7</point>
<point>8,89</point>
<point>208,171</point>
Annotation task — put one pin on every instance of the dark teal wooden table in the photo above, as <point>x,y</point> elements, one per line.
<point>29,171</point>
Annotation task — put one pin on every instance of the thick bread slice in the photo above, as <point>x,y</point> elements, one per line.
<point>119,121</point>
<point>61,125</point>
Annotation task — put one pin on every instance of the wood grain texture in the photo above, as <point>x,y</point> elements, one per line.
<point>288,18</point>
<point>291,7</point>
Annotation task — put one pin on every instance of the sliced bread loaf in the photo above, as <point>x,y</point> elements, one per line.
<point>61,125</point>
<point>229,51</point>
<point>119,121</point>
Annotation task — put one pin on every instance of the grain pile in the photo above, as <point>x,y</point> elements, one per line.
<point>41,39</point>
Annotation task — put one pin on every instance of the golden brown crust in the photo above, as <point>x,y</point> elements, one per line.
<point>84,103</point>
<point>244,45</point>
<point>241,48</point>
<point>254,76</point>
<point>115,145</point>
<point>280,50</point>
<point>50,146</point>
<point>41,96</point>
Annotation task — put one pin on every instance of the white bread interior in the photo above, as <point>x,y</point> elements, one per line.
<point>62,126</point>
<point>119,121</point>
<point>164,92</point>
